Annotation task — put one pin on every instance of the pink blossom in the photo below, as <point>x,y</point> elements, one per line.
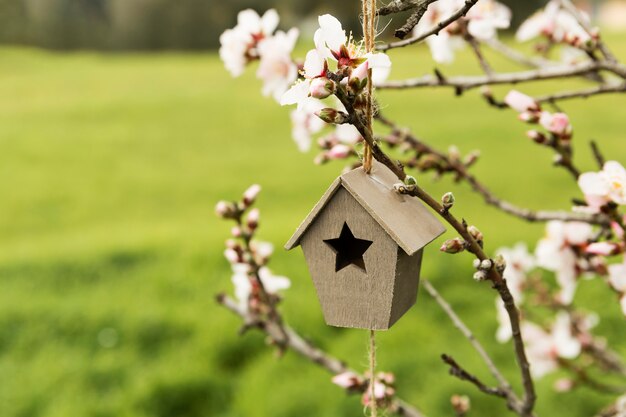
<point>332,43</point>
<point>243,287</point>
<point>321,87</point>
<point>239,44</point>
<point>518,262</point>
<point>520,102</point>
<point>607,185</point>
<point>253,217</point>
<point>263,250</point>
<point>224,209</point>
<point>557,123</point>
<point>544,349</point>
<point>231,255</point>
<point>347,380</point>
<point>276,68</point>
<point>617,280</point>
<point>602,248</point>
<point>305,123</point>
<point>554,23</point>
<point>250,195</point>
<point>554,252</point>
<point>235,231</point>
<point>484,19</point>
<point>339,151</point>
<point>564,385</point>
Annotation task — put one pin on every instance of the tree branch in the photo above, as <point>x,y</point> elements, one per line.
<point>504,385</point>
<point>307,350</point>
<point>434,31</point>
<point>457,371</point>
<point>462,83</point>
<point>462,173</point>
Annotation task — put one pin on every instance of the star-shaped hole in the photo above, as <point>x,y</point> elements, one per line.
<point>348,249</point>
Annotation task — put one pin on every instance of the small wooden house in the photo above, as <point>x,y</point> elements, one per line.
<point>363,244</point>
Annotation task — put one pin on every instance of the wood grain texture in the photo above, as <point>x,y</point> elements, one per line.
<point>407,279</point>
<point>411,225</point>
<point>351,297</point>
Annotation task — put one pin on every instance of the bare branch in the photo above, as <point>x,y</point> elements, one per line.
<point>434,31</point>
<point>463,174</point>
<point>566,95</point>
<point>504,385</point>
<point>462,83</point>
<point>307,350</point>
<point>458,371</point>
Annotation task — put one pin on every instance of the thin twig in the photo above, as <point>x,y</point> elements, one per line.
<point>458,371</point>
<point>462,173</point>
<point>504,385</point>
<point>434,31</point>
<point>462,83</point>
<point>566,95</point>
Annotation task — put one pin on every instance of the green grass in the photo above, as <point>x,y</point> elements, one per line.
<point>110,255</point>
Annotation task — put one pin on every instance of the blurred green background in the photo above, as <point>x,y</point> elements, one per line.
<point>110,255</point>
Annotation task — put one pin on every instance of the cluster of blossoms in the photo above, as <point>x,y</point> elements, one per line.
<point>481,22</point>
<point>384,389</point>
<point>337,61</point>
<point>557,26</point>
<point>252,279</point>
<point>254,39</point>
<point>557,125</point>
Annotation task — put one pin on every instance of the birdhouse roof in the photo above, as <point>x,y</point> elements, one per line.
<point>404,218</point>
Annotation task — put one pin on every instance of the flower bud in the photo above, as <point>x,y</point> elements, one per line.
<point>475,233</point>
<point>500,263</point>
<point>486,264</point>
<point>520,102</point>
<point>461,404</point>
<point>480,275</point>
<point>232,256</point>
<point>471,158</point>
<point>225,209</point>
<point>339,151</point>
<point>321,159</point>
<point>603,248</point>
<point>400,188</point>
<point>557,124</point>
<point>410,180</point>
<point>455,245</point>
<point>249,196</point>
<point>536,136</point>
<point>236,231</point>
<point>529,117</point>
<point>333,116</point>
<point>447,201</point>
<point>476,263</point>
<point>321,87</point>
<point>253,218</point>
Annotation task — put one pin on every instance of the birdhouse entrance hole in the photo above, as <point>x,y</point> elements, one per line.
<point>348,249</point>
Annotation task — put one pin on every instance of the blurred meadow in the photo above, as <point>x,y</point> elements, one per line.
<point>110,254</point>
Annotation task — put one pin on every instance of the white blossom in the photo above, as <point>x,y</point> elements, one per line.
<point>554,252</point>
<point>239,44</point>
<point>483,21</point>
<point>607,185</point>
<point>554,23</point>
<point>544,349</point>
<point>305,123</point>
<point>276,68</point>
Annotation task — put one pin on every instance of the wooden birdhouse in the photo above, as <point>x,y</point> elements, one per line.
<point>363,245</point>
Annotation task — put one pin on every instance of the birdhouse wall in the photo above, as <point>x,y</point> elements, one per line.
<point>351,297</point>
<point>406,284</point>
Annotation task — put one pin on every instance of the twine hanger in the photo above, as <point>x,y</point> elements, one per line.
<point>369,35</point>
